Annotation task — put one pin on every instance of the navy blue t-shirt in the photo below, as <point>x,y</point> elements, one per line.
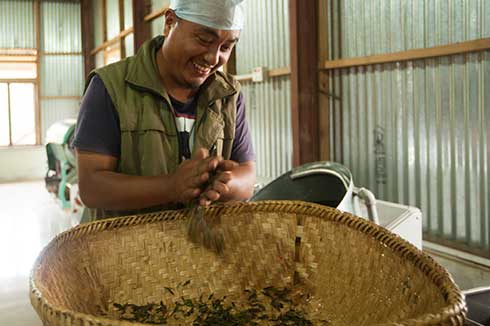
<point>98,129</point>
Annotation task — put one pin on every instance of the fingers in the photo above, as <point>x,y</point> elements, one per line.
<point>190,194</point>
<point>217,190</point>
<point>200,154</point>
<point>227,165</point>
<point>194,173</point>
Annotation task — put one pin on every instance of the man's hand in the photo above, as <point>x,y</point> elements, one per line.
<point>233,181</point>
<point>191,176</point>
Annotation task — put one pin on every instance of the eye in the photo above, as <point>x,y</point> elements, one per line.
<point>227,47</point>
<point>204,40</point>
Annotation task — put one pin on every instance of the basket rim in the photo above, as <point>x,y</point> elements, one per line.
<point>456,307</point>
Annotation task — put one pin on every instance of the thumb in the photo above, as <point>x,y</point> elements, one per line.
<point>200,154</point>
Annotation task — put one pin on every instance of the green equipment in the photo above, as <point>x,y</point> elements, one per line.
<point>62,168</point>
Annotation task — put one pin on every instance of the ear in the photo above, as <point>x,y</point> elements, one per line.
<point>170,21</point>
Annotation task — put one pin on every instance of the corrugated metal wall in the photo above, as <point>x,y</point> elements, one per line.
<point>417,132</point>
<point>157,24</point>
<point>265,42</point>
<point>128,14</point>
<point>98,22</point>
<point>61,27</point>
<point>112,12</point>
<point>16,17</point>
<point>157,4</point>
<point>129,42</point>
<point>61,75</point>
<point>56,110</point>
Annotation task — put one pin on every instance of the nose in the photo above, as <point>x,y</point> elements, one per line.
<point>212,56</point>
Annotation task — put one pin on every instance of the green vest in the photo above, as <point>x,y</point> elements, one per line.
<point>149,137</point>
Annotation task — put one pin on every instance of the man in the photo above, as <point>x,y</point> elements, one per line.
<point>154,127</point>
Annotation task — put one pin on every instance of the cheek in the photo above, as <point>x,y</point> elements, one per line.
<point>223,58</point>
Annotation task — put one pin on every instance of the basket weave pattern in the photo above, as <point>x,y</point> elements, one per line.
<point>358,273</point>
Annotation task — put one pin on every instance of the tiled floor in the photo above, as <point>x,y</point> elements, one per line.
<point>29,219</point>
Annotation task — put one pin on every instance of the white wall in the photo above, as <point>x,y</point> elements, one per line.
<point>22,163</point>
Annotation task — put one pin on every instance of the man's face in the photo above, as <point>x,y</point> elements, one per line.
<point>195,51</point>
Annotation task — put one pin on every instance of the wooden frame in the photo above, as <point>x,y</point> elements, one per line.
<point>62,53</point>
<point>104,20</point>
<point>323,83</point>
<point>61,97</point>
<point>272,73</point>
<point>415,54</point>
<point>8,82</point>
<point>155,14</point>
<point>304,80</point>
<point>142,31</point>
<point>19,52</point>
<point>112,41</point>
<point>122,45</point>
<point>87,35</point>
<point>37,84</point>
<point>109,51</point>
<point>124,32</point>
<point>10,115</point>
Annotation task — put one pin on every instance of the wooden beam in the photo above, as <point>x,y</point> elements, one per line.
<point>142,31</point>
<point>37,84</point>
<point>61,97</point>
<point>18,80</point>
<point>304,80</point>
<point>121,28</point>
<point>112,41</point>
<point>155,14</point>
<point>104,20</point>
<point>279,72</point>
<point>323,100</point>
<point>4,60</point>
<point>10,115</point>
<point>18,52</point>
<point>63,53</point>
<point>416,54</point>
<point>88,40</point>
<point>272,73</point>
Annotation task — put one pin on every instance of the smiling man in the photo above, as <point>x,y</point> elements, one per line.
<point>153,128</point>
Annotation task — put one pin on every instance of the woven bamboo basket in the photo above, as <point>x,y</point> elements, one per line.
<point>358,272</point>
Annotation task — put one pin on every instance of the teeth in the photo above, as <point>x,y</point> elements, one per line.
<point>201,69</point>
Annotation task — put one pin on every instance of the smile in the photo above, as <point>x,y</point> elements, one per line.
<point>204,70</point>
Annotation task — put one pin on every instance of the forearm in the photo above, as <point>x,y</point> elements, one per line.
<point>116,191</point>
<point>242,184</point>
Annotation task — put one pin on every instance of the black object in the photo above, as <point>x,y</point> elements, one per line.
<point>324,183</point>
<point>478,302</point>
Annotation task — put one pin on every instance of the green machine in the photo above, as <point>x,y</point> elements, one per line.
<point>62,168</point>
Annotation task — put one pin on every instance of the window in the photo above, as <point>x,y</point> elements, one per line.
<point>112,54</point>
<point>17,102</point>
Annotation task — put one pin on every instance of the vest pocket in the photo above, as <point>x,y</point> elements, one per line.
<point>152,119</point>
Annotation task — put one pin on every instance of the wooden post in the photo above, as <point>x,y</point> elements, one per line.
<point>37,86</point>
<point>142,31</point>
<point>87,36</point>
<point>323,100</point>
<point>121,28</point>
<point>304,80</point>
<point>104,20</point>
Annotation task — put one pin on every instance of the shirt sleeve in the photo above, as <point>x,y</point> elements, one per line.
<point>242,150</point>
<point>98,127</point>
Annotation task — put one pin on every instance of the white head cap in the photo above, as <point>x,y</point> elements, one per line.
<point>219,14</point>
